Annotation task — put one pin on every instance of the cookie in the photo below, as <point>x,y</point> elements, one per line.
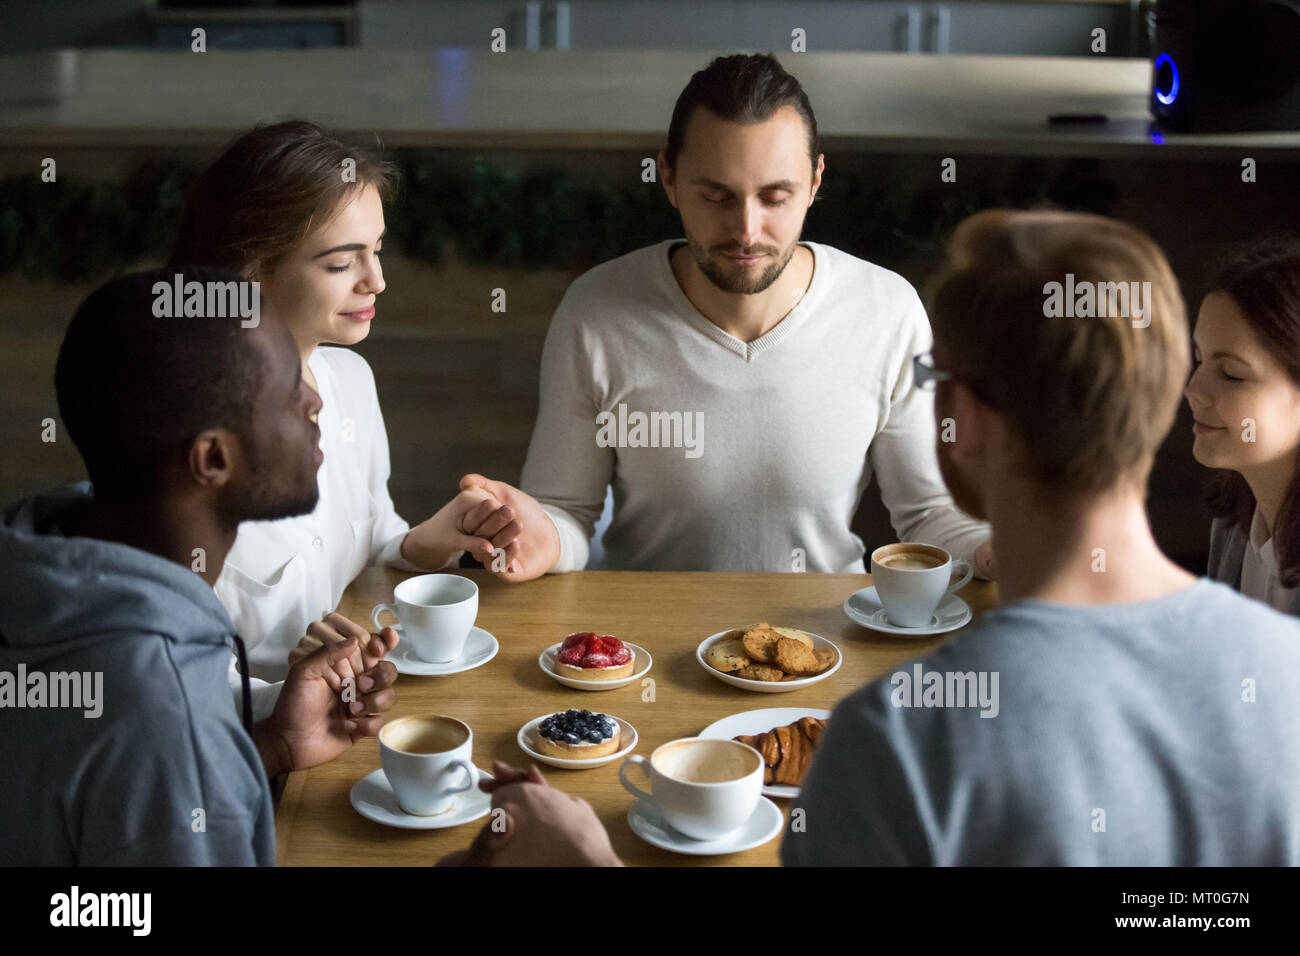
<point>761,672</point>
<point>794,657</point>
<point>795,634</point>
<point>825,657</point>
<point>727,654</point>
<point>760,643</point>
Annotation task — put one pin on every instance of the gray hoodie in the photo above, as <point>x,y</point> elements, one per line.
<point>117,736</point>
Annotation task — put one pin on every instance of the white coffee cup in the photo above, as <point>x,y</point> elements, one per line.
<point>703,788</point>
<point>435,613</point>
<point>912,578</point>
<point>422,758</point>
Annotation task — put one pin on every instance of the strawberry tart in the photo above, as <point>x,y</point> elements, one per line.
<point>594,657</point>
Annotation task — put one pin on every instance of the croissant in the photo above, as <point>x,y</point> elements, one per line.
<point>787,751</point>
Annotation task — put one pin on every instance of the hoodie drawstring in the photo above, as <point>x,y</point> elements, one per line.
<point>244,687</point>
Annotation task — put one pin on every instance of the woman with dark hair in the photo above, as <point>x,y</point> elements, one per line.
<point>1245,398</point>
<point>300,212</point>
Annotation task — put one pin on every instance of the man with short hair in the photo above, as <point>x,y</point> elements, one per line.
<point>1136,705</point>
<point>187,427</point>
<point>1115,709</point>
<point>738,388</point>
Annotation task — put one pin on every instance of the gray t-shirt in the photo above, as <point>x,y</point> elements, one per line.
<point>1162,733</point>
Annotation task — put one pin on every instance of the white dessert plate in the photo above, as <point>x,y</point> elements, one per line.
<point>527,740</point>
<point>765,823</point>
<point>372,796</point>
<point>864,607</point>
<point>764,686</point>
<point>760,722</point>
<point>546,661</point>
<point>480,647</point>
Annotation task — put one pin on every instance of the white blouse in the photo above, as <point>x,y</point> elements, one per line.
<point>282,575</point>
<point>1260,575</point>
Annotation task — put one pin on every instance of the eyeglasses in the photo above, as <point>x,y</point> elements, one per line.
<point>925,374</point>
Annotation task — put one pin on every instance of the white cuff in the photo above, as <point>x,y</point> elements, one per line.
<point>263,696</point>
<point>574,547</point>
<point>391,556</point>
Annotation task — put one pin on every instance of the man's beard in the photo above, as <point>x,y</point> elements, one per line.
<point>739,283</point>
<point>965,494</point>
<point>267,500</point>
<point>303,503</point>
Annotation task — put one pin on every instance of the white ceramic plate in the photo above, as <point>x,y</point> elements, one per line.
<point>527,740</point>
<point>769,687</point>
<point>766,822</point>
<point>864,607</point>
<point>760,722</point>
<point>480,647</point>
<point>546,661</point>
<point>372,796</point>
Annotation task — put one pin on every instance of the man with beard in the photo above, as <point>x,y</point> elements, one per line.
<point>188,425</point>
<point>1134,703</point>
<point>737,389</point>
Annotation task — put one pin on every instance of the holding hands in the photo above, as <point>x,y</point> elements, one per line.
<point>543,826</point>
<point>535,543</point>
<point>336,691</point>
<point>473,521</point>
<point>339,684</point>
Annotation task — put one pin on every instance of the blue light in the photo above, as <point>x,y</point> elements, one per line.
<point>1167,98</point>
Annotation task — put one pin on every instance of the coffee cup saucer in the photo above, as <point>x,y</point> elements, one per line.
<point>763,824</point>
<point>480,647</point>
<point>864,607</point>
<point>373,797</point>
<point>527,740</point>
<point>643,662</point>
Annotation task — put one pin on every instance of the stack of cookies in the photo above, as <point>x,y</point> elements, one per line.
<point>765,653</point>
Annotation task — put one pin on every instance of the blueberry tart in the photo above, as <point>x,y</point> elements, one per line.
<point>578,735</point>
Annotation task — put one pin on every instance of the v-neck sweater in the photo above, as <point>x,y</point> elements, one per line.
<point>760,451</point>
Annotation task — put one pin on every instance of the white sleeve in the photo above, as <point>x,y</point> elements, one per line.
<point>390,528</point>
<point>390,556</point>
<point>574,541</point>
<point>903,457</point>
<point>566,471</point>
<point>263,694</point>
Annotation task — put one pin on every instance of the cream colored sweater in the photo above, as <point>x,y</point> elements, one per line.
<point>733,456</point>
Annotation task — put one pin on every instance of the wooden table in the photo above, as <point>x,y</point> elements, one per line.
<point>668,614</point>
